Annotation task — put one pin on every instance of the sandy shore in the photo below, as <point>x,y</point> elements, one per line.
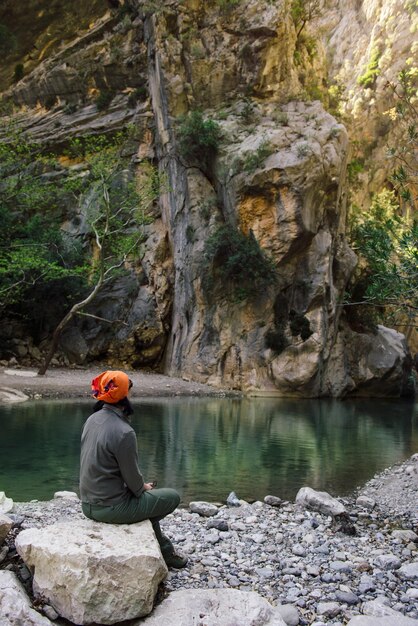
<point>75,383</point>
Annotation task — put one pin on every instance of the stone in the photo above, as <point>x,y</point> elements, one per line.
<point>366,503</point>
<point>298,550</point>
<point>320,501</point>
<point>4,551</point>
<point>378,608</point>
<point>71,495</point>
<point>273,501</point>
<point>289,613</point>
<point>50,612</point>
<point>6,504</point>
<point>92,572</point>
<point>399,620</point>
<point>5,525</point>
<point>405,535</point>
<point>233,500</point>
<point>341,566</point>
<point>15,607</point>
<point>203,508</point>
<point>409,571</point>
<point>223,607</point>
<point>388,562</point>
<point>12,396</point>
<point>329,609</point>
<point>219,524</point>
<point>366,584</point>
<point>347,597</point>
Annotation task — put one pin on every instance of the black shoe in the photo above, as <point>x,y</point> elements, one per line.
<point>176,561</point>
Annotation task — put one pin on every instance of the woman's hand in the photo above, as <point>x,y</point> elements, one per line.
<point>148,486</point>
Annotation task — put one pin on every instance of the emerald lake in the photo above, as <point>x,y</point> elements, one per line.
<point>207,447</point>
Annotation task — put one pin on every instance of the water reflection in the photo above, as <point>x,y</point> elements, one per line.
<point>206,448</point>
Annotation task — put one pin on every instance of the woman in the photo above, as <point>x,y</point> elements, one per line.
<point>112,488</point>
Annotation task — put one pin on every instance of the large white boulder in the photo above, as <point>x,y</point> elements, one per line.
<point>15,608</point>
<point>214,607</point>
<point>6,504</point>
<point>319,501</point>
<point>11,396</point>
<point>93,572</point>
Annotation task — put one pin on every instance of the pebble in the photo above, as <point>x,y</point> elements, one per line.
<point>290,556</point>
<point>49,612</point>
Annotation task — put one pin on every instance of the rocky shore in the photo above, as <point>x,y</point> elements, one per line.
<point>318,570</point>
<point>75,383</point>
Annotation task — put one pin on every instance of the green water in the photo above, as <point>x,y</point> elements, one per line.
<point>206,448</point>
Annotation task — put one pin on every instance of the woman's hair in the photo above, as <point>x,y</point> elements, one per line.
<point>123,404</point>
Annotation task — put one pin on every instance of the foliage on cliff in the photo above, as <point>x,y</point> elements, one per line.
<point>388,247</point>
<point>238,263</point>
<point>38,257</point>
<point>386,236</point>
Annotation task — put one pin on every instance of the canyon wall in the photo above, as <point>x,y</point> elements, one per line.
<point>279,176</point>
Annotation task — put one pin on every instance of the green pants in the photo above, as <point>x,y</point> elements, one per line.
<point>153,505</point>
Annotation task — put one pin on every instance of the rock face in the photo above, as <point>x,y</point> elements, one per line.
<point>91,572</point>
<point>15,607</point>
<point>222,607</point>
<point>279,177</point>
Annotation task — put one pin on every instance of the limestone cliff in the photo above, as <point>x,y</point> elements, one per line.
<point>279,176</point>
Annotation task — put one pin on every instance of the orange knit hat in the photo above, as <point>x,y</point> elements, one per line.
<point>111,386</point>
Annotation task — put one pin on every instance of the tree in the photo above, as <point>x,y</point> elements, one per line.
<point>237,263</point>
<point>115,210</point>
<point>386,237</point>
<point>34,252</point>
<point>199,139</point>
<point>37,258</point>
<point>388,248</point>
<point>404,149</point>
<point>303,11</point>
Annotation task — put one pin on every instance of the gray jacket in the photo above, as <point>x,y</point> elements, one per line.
<point>109,471</point>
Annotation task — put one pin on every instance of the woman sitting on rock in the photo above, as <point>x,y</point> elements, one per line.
<point>112,488</point>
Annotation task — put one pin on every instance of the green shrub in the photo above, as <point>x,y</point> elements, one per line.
<point>275,340</point>
<point>299,325</point>
<point>303,150</point>
<point>190,234</point>
<point>70,108</point>
<point>50,101</point>
<point>354,168</point>
<point>138,95</point>
<point>237,262</point>
<point>103,100</point>
<point>18,73</point>
<point>371,71</point>
<point>254,160</point>
<point>207,207</point>
<point>248,113</point>
<point>227,5</point>
<point>281,118</point>
<point>199,139</point>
